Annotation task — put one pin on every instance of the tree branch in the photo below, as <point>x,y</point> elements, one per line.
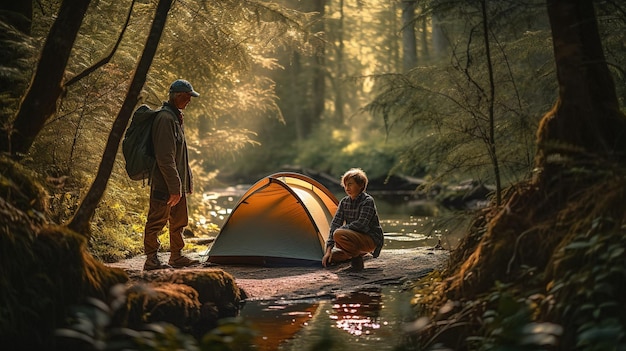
<point>108,58</point>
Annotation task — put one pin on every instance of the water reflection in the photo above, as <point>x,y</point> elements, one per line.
<point>365,319</point>
<point>357,313</point>
<point>275,321</point>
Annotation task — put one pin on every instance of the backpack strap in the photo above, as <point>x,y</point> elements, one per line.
<point>169,109</point>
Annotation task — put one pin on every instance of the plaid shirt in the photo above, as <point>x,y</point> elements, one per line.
<point>359,215</point>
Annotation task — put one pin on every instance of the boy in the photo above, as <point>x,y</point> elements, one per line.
<point>355,229</point>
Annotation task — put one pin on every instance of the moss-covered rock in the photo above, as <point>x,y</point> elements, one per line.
<point>193,299</point>
<point>47,273</point>
<point>44,270</point>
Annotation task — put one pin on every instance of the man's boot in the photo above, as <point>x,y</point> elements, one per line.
<point>179,261</point>
<point>153,262</point>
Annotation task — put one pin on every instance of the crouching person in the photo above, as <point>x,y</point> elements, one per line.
<point>355,230</point>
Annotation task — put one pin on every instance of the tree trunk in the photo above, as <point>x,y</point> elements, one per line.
<point>338,80</point>
<point>439,40</point>
<point>40,102</point>
<point>425,51</point>
<point>319,73</point>
<point>80,221</point>
<point>409,49</point>
<point>298,114</point>
<point>491,140</point>
<point>314,95</point>
<point>586,118</point>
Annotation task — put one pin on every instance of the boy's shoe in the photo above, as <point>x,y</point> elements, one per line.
<point>153,263</point>
<point>356,263</point>
<point>338,256</point>
<point>183,261</point>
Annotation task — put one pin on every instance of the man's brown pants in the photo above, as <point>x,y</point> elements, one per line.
<point>158,216</point>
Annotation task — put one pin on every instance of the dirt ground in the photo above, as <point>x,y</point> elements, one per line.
<point>392,267</point>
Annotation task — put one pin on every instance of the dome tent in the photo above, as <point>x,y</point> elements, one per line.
<point>283,219</point>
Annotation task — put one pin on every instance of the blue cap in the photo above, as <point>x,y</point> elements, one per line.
<point>183,86</point>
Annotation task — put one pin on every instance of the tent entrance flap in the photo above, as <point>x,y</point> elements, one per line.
<point>282,218</point>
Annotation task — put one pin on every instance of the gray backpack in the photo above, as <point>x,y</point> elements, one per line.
<point>137,144</point>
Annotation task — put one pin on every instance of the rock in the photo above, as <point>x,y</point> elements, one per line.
<point>469,194</point>
<point>191,299</point>
<point>176,304</point>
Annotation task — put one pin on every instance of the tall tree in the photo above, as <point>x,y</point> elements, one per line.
<point>409,49</point>
<point>490,134</point>
<point>338,52</point>
<point>80,221</point>
<point>40,101</point>
<point>319,73</point>
<point>307,74</point>
<point>439,36</point>
<point>587,113</point>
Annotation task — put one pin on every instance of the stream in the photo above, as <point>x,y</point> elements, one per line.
<point>371,319</point>
<point>365,320</point>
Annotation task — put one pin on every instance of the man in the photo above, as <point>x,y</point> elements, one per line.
<point>355,229</point>
<point>170,180</point>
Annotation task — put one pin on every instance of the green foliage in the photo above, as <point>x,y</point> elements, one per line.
<point>91,326</point>
<point>21,187</point>
<point>504,319</point>
<point>589,291</point>
<point>231,334</point>
<point>508,324</point>
<point>17,53</point>
<point>119,221</point>
<point>444,108</point>
<point>116,233</point>
<point>335,151</point>
<point>16,256</point>
<point>570,296</point>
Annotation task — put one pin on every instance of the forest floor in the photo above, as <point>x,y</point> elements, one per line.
<point>392,267</point>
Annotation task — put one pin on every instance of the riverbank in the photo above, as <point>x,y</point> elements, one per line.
<point>392,267</point>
